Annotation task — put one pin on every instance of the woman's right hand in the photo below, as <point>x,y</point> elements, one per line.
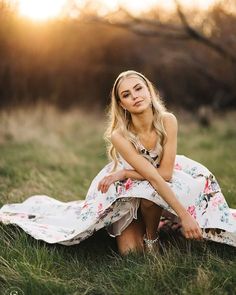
<point>191,228</point>
<point>107,180</point>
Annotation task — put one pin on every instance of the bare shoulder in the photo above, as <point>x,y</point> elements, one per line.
<point>118,140</point>
<point>116,135</point>
<point>170,121</point>
<point>169,117</point>
<point>123,146</point>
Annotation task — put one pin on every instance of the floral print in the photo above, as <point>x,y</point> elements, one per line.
<point>69,223</point>
<point>191,210</point>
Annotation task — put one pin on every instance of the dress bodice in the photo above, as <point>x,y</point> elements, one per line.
<point>151,155</point>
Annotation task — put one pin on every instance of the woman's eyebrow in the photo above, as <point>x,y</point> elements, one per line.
<point>128,90</point>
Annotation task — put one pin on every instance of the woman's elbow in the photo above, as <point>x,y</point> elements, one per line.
<point>167,176</point>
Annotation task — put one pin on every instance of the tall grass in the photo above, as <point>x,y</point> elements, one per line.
<point>44,151</point>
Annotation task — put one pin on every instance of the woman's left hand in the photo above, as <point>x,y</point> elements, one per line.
<point>105,183</point>
<point>191,228</point>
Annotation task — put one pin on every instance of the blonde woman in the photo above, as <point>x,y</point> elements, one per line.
<point>144,180</point>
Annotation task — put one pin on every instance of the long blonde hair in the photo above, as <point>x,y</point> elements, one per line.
<point>118,119</point>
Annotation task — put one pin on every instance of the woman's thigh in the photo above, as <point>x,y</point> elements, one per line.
<point>131,239</point>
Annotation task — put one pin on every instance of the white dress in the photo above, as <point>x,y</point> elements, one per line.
<point>68,223</point>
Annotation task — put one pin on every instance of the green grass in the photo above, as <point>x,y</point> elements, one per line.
<point>46,152</point>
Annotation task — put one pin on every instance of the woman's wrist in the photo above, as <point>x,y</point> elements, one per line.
<point>184,213</point>
<point>124,173</point>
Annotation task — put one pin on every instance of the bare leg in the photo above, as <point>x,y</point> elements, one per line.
<point>131,239</point>
<point>151,216</point>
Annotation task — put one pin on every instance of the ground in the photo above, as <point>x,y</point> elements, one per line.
<point>44,151</point>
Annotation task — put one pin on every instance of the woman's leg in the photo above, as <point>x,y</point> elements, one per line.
<point>151,214</point>
<point>131,239</point>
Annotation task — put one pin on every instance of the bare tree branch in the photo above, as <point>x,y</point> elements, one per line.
<point>141,26</point>
<point>154,28</point>
<point>140,29</point>
<point>201,38</point>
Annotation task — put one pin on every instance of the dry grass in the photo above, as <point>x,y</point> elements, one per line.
<point>45,151</point>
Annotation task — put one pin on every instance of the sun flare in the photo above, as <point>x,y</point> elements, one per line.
<point>41,9</point>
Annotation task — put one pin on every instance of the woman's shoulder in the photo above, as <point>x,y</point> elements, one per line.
<point>169,119</point>
<point>116,135</point>
<point>168,116</point>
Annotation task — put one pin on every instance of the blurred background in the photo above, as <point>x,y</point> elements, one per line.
<point>68,53</point>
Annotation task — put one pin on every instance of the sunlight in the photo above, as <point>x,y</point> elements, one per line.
<point>46,9</point>
<point>40,9</point>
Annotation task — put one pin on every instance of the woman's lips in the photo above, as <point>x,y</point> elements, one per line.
<point>137,103</point>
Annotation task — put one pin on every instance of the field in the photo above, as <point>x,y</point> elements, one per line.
<point>44,151</point>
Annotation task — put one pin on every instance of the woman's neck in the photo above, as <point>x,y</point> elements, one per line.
<point>142,123</point>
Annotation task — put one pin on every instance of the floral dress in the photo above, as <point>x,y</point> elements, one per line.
<point>68,223</point>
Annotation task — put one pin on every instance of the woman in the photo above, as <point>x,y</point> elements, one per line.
<point>144,180</point>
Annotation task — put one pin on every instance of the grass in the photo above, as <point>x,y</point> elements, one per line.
<point>44,151</point>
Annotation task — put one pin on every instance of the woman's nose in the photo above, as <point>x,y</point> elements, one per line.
<point>134,95</point>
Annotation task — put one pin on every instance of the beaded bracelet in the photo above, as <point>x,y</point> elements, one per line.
<point>151,241</point>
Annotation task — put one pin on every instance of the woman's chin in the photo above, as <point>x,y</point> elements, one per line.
<point>141,110</point>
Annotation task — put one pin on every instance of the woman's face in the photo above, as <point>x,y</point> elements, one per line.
<point>134,95</point>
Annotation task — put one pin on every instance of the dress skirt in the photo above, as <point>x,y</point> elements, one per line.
<point>69,223</point>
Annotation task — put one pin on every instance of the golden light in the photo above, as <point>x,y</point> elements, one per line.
<point>138,6</point>
<point>201,4</point>
<point>40,9</point>
<point>46,9</point>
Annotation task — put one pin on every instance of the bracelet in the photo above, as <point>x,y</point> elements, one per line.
<point>151,241</point>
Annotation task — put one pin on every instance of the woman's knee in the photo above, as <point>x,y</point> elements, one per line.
<point>146,203</point>
<point>131,239</point>
<point>128,246</point>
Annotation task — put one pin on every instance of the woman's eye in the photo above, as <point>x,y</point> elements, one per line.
<point>137,89</point>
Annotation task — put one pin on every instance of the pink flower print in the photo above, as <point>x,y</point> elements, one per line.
<point>192,211</point>
<point>100,207</point>
<point>234,214</point>
<point>119,189</point>
<point>128,184</point>
<point>207,187</point>
<point>178,167</point>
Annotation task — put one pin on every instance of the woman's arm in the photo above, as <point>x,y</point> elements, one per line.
<point>149,172</point>
<point>167,162</point>
<point>129,173</point>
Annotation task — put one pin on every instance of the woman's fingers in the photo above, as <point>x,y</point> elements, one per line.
<point>103,185</point>
<point>99,185</point>
<point>188,235</point>
<point>199,234</point>
<point>194,234</point>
